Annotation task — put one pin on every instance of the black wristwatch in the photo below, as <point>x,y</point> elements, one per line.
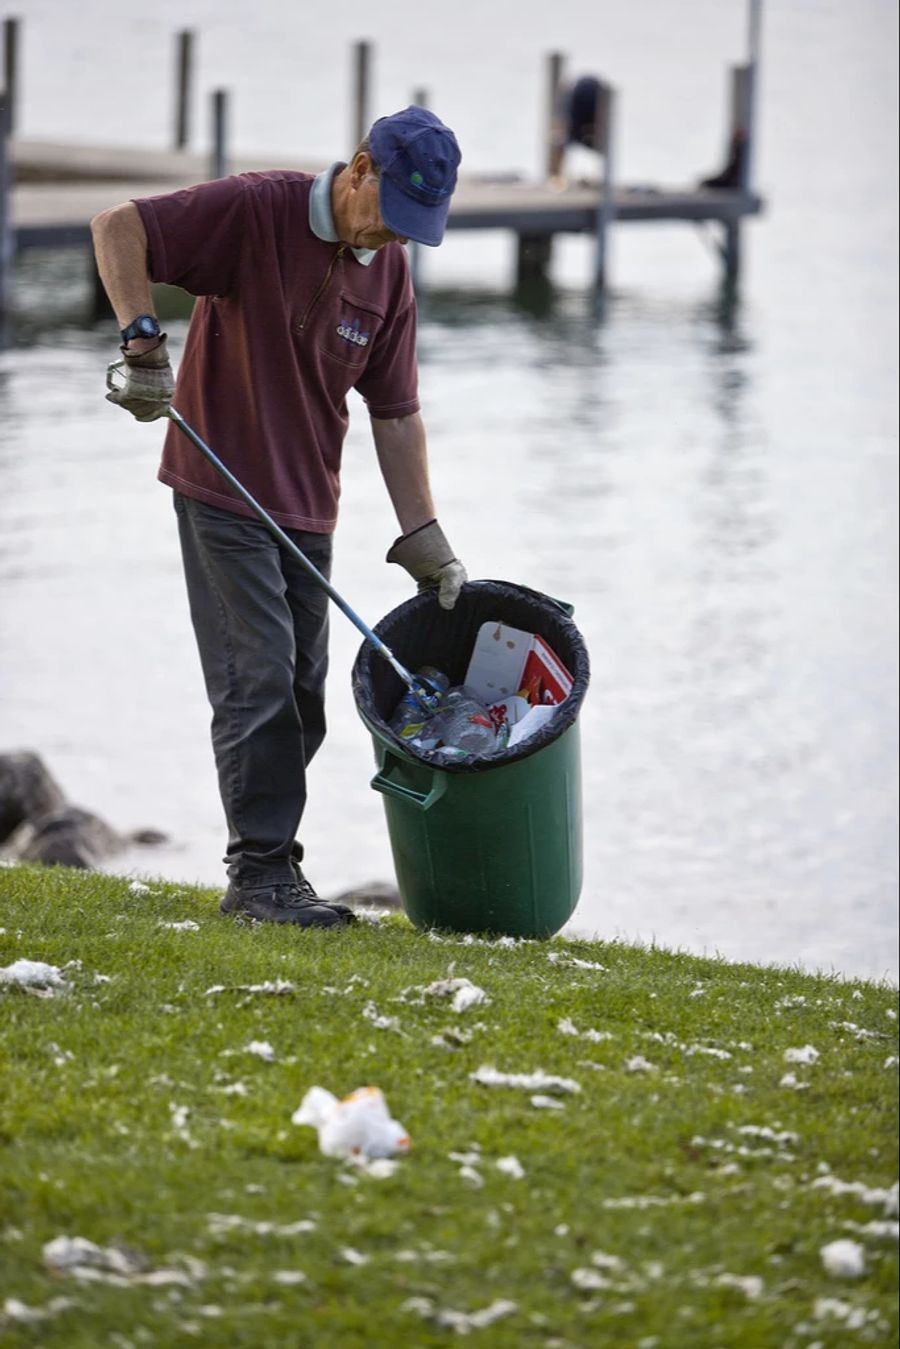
<point>145,325</point>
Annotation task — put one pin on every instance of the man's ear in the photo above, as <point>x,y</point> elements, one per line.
<point>361,166</point>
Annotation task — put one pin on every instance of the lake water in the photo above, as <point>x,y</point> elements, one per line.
<point>713,490</point>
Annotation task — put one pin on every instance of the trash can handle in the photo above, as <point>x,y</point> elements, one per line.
<point>382,782</point>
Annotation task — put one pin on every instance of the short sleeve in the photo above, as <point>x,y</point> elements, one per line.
<point>390,382</point>
<point>196,235</point>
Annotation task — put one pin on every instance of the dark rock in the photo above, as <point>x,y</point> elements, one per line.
<point>373,895</point>
<point>37,825</point>
<point>26,789</point>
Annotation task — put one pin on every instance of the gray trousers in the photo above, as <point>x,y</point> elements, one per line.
<point>261,624</point>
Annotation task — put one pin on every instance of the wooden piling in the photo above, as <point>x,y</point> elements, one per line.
<point>554,135</point>
<point>604,127</point>
<point>219,157</point>
<point>7,243</point>
<point>362,61</point>
<point>11,71</point>
<point>420,100</point>
<point>184,78</point>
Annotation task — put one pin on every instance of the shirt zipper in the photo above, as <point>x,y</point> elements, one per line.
<point>322,287</point>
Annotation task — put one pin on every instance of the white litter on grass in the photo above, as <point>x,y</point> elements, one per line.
<point>843,1259</point>
<point>589,1280</point>
<point>353,1257</point>
<point>371,1013</point>
<point>289,1278</point>
<point>460,1322</point>
<point>186,925</point>
<point>858,1032</point>
<point>221,1223</point>
<point>807,1054</point>
<point>567,1027</point>
<point>87,1262</point>
<point>547,1103</point>
<point>233,1089</point>
<point>891,1061</point>
<point>262,1049</point>
<point>751,1285</point>
<point>464,993</point>
<point>876,1228</point>
<point>556,958</point>
<point>890,1198</point>
<point>275,987</point>
<point>780,1136</point>
<point>642,1201</point>
<point>19,1313</point>
<point>32,974</point>
<point>488,1076</point>
<point>790,1080</point>
<point>510,1166</point>
<point>138,888</point>
<point>473,1177</point>
<point>831,1308</point>
<point>358,1124</point>
<point>638,1064</point>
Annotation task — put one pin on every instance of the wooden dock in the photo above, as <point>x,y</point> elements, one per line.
<point>49,192</point>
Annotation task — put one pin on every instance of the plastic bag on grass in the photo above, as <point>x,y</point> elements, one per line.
<point>360,1125</point>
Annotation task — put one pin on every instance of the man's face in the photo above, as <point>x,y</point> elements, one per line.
<point>364,225</point>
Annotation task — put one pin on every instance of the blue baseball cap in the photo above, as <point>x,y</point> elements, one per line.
<point>417,158</point>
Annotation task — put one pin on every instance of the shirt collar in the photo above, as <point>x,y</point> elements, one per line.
<point>321,220</point>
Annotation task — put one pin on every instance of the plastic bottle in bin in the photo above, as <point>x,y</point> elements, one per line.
<point>464,724</point>
<point>410,716</point>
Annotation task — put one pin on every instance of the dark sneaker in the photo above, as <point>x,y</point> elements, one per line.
<point>286,902</point>
<point>303,885</point>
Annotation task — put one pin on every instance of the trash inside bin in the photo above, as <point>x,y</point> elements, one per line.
<point>484,844</point>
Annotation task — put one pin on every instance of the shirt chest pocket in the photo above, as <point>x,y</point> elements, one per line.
<point>350,331</point>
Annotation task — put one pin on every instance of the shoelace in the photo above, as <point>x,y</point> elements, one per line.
<point>294,895</point>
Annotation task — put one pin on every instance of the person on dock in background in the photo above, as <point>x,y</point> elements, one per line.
<point>303,293</point>
<point>581,120</point>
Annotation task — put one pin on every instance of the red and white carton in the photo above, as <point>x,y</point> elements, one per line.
<point>506,661</point>
<point>545,680</point>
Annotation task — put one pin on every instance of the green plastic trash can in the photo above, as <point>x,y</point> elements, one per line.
<point>488,846</point>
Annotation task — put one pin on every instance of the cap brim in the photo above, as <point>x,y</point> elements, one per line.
<point>410,219</point>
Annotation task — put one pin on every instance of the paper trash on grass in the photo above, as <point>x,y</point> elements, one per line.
<point>358,1126</point>
<point>844,1259</point>
<point>34,976</point>
<point>464,993</point>
<point>488,1076</point>
<point>461,1322</point>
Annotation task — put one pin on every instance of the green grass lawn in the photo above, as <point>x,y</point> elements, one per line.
<point>681,1197</point>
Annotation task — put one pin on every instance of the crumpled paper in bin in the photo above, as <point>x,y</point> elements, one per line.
<point>358,1126</point>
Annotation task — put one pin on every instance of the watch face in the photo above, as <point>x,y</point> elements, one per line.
<point>148,327</point>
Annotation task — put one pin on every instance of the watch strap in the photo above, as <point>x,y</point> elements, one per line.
<point>145,325</point>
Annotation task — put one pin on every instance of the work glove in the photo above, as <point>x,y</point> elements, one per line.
<point>428,558</point>
<point>149,384</point>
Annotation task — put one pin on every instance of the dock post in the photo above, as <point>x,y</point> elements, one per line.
<point>604,140</point>
<point>219,164</point>
<point>414,250</point>
<point>362,53</point>
<point>7,243</point>
<point>533,256</point>
<point>554,133</point>
<point>11,71</point>
<point>184,83</point>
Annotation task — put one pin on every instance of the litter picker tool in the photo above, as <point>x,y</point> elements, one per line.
<point>429,701</point>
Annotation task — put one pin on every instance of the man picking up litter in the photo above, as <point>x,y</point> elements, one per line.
<point>303,292</point>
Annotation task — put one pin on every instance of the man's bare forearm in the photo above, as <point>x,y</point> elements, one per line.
<point>403,459</point>
<point>120,247</point>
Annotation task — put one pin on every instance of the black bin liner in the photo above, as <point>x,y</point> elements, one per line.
<point>419,632</point>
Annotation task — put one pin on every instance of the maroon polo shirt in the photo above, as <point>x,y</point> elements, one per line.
<point>284,326</point>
